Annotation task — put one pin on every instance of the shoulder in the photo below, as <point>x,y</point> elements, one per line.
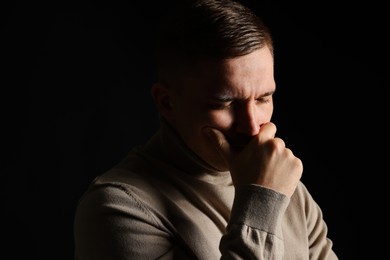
<point>129,186</point>
<point>303,199</point>
<point>301,195</point>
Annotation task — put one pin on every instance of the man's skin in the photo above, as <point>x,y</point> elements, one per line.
<point>223,111</point>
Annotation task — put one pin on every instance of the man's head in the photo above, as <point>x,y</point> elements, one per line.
<point>215,69</point>
<point>194,30</point>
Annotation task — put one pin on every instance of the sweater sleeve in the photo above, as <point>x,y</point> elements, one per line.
<point>254,230</point>
<point>320,246</point>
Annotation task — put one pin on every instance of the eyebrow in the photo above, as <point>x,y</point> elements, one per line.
<point>227,98</point>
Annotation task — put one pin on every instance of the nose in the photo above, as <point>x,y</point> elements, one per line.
<point>248,119</point>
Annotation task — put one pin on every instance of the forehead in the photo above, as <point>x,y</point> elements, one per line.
<point>251,72</point>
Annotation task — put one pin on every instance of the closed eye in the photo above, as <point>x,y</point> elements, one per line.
<point>220,105</point>
<point>264,100</point>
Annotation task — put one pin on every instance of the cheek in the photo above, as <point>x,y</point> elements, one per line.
<point>186,113</point>
<point>220,119</point>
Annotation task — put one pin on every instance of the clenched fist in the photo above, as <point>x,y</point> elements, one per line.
<point>265,161</point>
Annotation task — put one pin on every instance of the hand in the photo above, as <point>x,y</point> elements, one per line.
<point>265,161</point>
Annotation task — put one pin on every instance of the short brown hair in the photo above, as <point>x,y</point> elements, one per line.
<point>207,29</point>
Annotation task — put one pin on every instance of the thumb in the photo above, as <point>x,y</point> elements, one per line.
<point>267,132</point>
<point>219,142</point>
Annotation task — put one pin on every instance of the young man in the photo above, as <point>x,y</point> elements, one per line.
<point>214,182</point>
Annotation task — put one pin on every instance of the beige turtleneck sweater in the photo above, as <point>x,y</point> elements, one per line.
<point>162,202</point>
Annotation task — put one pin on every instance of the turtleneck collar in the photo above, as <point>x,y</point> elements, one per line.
<point>166,145</point>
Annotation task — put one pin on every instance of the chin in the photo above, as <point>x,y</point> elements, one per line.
<point>218,164</point>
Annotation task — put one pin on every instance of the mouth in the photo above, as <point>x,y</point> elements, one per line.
<point>238,142</point>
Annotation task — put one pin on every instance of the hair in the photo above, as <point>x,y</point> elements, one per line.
<point>207,29</point>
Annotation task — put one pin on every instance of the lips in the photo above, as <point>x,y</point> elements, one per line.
<point>238,142</point>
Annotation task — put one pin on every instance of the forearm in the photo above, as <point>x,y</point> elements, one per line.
<point>254,230</point>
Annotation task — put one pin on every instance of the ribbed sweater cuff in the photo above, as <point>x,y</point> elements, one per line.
<point>258,207</point>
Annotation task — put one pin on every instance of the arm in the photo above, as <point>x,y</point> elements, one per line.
<point>110,223</point>
<point>255,227</point>
<point>254,230</point>
<point>320,246</point>
<point>265,174</point>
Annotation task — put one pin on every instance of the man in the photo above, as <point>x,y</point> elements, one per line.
<point>214,182</point>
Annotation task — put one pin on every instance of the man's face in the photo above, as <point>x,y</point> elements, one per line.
<point>233,96</point>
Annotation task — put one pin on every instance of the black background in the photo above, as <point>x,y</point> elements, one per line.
<point>75,98</point>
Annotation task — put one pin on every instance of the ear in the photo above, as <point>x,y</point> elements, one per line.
<point>162,100</point>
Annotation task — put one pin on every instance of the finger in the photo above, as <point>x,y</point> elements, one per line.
<point>267,132</point>
<point>219,142</point>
